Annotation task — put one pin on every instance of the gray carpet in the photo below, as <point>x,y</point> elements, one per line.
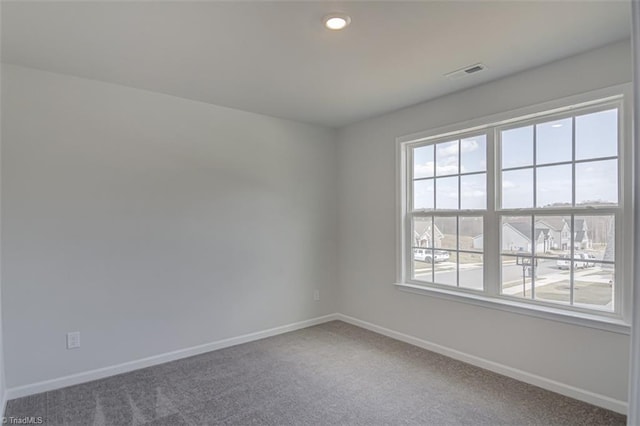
<point>331,374</point>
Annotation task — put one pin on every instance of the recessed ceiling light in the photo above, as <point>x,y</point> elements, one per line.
<point>336,21</point>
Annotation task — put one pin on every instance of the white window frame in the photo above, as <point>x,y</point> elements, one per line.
<point>440,213</point>
<point>617,321</point>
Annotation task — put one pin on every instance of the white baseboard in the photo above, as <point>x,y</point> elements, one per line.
<point>542,382</point>
<point>100,373</point>
<point>523,376</point>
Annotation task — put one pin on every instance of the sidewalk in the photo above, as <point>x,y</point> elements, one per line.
<point>549,279</point>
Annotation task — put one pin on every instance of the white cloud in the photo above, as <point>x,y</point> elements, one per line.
<point>424,191</point>
<point>427,169</point>
<point>423,170</point>
<point>506,184</point>
<point>447,169</point>
<point>475,193</point>
<point>469,145</point>
<point>448,149</point>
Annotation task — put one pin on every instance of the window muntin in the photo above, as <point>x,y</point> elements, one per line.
<point>551,163</point>
<point>449,176</point>
<point>551,148</point>
<point>570,259</point>
<point>448,251</point>
<point>583,174</point>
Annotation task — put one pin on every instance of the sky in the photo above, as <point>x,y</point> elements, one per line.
<point>596,137</point>
<point>473,158</point>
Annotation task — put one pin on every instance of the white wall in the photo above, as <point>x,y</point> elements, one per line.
<point>2,370</point>
<point>589,359</point>
<point>633,418</point>
<point>151,223</point>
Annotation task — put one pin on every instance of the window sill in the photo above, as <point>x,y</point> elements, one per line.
<point>569,317</point>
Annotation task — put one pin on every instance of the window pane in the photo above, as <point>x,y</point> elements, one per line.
<point>517,189</point>
<point>471,234</point>
<point>554,141</point>
<point>423,161</point>
<point>594,238</point>
<point>447,193</point>
<point>516,234</point>
<point>597,135</point>
<point>593,287</point>
<point>423,194</point>
<point>597,183</point>
<point>554,236</point>
<point>471,270</point>
<point>516,276</point>
<point>422,235</point>
<point>422,264</point>
<point>553,187</point>
<point>446,232</point>
<point>447,158</point>
<point>473,155</point>
<point>445,264</point>
<point>517,147</point>
<point>473,191</point>
<point>552,284</point>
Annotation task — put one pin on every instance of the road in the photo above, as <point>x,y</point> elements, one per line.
<point>592,285</point>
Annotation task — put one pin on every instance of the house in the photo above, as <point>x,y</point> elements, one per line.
<point>423,235</point>
<point>477,242</point>
<point>559,231</point>
<point>551,233</point>
<point>581,235</point>
<point>179,177</point>
<point>516,237</point>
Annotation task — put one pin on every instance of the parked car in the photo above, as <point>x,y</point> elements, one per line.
<point>582,260</point>
<point>441,256</point>
<point>426,255</point>
<point>564,262</point>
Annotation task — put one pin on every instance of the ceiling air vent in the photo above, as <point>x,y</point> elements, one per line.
<point>471,69</point>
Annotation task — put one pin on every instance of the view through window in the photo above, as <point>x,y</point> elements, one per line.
<point>552,200</point>
<point>449,178</point>
<point>568,164</point>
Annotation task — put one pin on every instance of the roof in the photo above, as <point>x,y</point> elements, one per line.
<point>581,236</point>
<point>521,227</point>
<point>425,230</point>
<point>541,232</point>
<point>555,223</point>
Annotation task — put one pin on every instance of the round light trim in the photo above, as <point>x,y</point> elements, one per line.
<point>336,21</point>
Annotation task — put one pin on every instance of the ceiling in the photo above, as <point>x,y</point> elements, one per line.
<point>276,58</point>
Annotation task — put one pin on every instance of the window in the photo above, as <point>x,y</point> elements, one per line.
<point>449,196</point>
<point>527,210</point>
<point>569,164</point>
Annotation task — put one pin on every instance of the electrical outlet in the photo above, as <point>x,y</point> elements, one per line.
<point>73,340</point>
<point>316,295</point>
